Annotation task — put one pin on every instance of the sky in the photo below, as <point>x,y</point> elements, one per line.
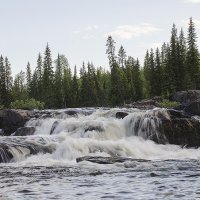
<point>79,28</point>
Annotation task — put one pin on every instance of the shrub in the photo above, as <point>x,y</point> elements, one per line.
<point>169,104</point>
<point>28,104</point>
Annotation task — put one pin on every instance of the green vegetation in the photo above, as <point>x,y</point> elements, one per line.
<point>173,67</point>
<point>27,104</point>
<point>169,104</point>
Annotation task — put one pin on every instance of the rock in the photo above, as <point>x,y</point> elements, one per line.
<point>1,132</point>
<point>55,124</point>
<point>94,128</point>
<point>186,97</point>
<point>11,120</point>
<point>12,146</point>
<point>181,130</point>
<point>121,115</point>
<point>107,160</point>
<point>193,108</point>
<point>71,112</point>
<point>24,131</point>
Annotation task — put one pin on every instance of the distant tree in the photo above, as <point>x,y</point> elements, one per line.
<point>110,51</point>
<point>122,57</point>
<point>28,79</point>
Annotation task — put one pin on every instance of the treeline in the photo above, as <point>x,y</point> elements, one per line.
<point>175,66</point>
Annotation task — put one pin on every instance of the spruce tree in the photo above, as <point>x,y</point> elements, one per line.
<point>48,79</point>
<point>28,79</point>
<point>192,57</point>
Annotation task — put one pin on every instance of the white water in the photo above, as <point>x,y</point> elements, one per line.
<point>113,137</point>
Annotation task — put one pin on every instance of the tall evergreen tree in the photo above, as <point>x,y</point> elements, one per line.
<point>28,79</point>
<point>48,78</point>
<point>192,58</point>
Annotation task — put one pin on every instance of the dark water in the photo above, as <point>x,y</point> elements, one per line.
<point>170,179</point>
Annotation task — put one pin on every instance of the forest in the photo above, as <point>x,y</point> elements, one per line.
<point>52,84</point>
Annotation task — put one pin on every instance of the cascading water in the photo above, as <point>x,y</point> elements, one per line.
<point>67,136</point>
<point>45,163</point>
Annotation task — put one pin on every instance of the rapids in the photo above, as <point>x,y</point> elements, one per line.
<point>49,158</point>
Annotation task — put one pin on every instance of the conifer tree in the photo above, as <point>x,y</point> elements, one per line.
<point>192,57</point>
<point>28,79</point>
<point>48,78</point>
<point>75,89</point>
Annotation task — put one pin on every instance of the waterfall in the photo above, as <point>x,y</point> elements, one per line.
<point>64,135</point>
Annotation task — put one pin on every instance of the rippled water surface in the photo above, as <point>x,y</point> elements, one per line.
<point>170,179</point>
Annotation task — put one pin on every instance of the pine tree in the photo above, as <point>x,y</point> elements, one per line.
<point>110,51</point>
<point>192,57</point>
<point>58,84</point>
<point>2,82</point>
<point>48,79</point>
<point>75,89</point>
<point>122,57</point>
<point>28,79</point>
<point>158,74</point>
<point>8,81</point>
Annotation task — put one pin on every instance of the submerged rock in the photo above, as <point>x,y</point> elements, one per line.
<point>24,131</point>
<point>107,160</point>
<point>11,120</point>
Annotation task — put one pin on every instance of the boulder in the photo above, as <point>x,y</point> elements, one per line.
<point>181,129</point>
<point>186,97</point>
<point>193,108</point>
<point>55,124</point>
<point>94,128</point>
<point>121,115</point>
<point>11,120</point>
<point>24,131</point>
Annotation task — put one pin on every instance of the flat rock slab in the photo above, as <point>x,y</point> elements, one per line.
<point>107,160</point>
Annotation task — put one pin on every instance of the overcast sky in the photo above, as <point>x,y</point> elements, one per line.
<point>78,28</point>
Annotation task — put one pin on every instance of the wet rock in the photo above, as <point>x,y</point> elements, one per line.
<point>181,130</point>
<point>94,128</point>
<point>121,115</point>
<point>24,131</point>
<point>71,112</point>
<point>107,160</point>
<point>12,146</point>
<point>152,174</point>
<point>1,132</point>
<point>55,124</point>
<point>186,97</point>
<point>11,120</point>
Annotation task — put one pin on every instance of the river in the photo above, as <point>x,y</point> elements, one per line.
<point>156,171</point>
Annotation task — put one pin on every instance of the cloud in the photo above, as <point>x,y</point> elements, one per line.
<point>86,33</point>
<point>130,31</point>
<point>192,1</point>
<point>196,23</point>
